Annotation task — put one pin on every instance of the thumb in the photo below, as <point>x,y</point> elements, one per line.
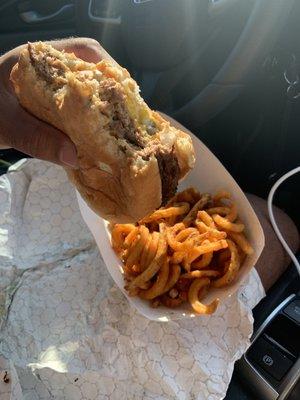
<point>40,140</point>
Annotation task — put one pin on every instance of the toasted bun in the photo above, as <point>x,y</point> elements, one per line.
<point>126,152</point>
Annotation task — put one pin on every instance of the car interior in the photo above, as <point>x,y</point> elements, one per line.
<point>229,71</point>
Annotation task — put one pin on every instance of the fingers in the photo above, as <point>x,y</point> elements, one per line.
<point>38,139</point>
<point>85,48</point>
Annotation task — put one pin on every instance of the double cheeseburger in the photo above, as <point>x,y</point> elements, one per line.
<point>130,158</point>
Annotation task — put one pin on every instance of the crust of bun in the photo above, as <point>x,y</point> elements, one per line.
<point>118,185</point>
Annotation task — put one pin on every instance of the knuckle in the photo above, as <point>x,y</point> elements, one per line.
<point>93,43</point>
<point>86,48</point>
<point>89,43</point>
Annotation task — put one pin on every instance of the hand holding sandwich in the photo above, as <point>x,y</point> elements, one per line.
<point>130,158</point>
<point>23,131</point>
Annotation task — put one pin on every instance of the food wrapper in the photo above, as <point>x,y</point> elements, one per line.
<point>208,176</point>
<point>67,332</point>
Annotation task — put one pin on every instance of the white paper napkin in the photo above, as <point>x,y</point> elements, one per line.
<point>68,333</point>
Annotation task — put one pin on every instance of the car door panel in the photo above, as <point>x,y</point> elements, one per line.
<point>23,21</point>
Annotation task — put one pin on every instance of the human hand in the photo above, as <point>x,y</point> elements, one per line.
<point>24,132</point>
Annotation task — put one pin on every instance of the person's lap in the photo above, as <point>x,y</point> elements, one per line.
<point>273,260</point>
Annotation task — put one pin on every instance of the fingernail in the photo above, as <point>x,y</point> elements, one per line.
<point>68,156</point>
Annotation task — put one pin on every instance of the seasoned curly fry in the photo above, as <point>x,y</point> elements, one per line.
<point>206,218</point>
<point>230,213</point>
<point>225,224</point>
<point>224,211</point>
<point>152,250</point>
<point>203,292</point>
<point>137,247</point>
<point>174,274</point>
<point>178,257</point>
<point>214,233</point>
<point>129,273</point>
<point>206,248</point>
<point>130,238</point>
<point>155,265</point>
<point>222,194</point>
<point>198,206</point>
<point>119,234</point>
<point>133,292</point>
<point>232,216</point>
<point>186,233</point>
<point>145,285</point>
<point>145,252</point>
<point>223,256</point>
<point>241,241</point>
<point>158,287</point>
<point>190,195</point>
<point>200,274</point>
<point>199,307</point>
<point>136,269</point>
<point>176,245</point>
<point>232,269</point>
<point>177,209</point>
<point>183,250</point>
<point>204,261</point>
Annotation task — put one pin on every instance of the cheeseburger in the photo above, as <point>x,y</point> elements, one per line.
<point>130,158</point>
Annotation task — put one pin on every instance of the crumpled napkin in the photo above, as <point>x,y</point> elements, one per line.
<point>66,332</point>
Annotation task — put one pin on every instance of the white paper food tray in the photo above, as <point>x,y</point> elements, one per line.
<point>209,175</point>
